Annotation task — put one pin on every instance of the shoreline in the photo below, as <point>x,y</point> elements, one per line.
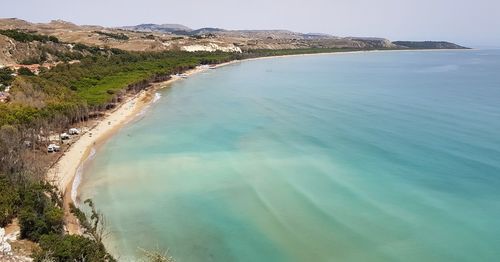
<point>71,163</point>
<point>67,167</point>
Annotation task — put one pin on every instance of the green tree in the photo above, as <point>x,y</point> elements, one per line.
<point>62,248</point>
<point>25,72</point>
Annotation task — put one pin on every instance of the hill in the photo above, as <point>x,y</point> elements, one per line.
<point>164,28</point>
<point>428,45</point>
<point>168,37</point>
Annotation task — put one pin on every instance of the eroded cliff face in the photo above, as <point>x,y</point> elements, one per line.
<point>12,52</point>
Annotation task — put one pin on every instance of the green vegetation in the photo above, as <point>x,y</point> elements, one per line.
<point>23,71</point>
<point>39,209</point>
<point>119,36</point>
<point>39,214</point>
<point>428,45</point>
<point>61,248</point>
<point>28,36</point>
<point>90,49</point>
<point>9,201</point>
<point>97,79</point>
<point>301,51</point>
<point>5,77</point>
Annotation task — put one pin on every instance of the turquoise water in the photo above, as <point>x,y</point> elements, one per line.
<point>390,156</point>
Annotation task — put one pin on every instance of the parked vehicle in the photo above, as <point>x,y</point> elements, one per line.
<point>64,136</point>
<point>74,131</point>
<point>53,148</point>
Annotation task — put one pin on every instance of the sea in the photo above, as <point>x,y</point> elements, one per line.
<point>371,156</point>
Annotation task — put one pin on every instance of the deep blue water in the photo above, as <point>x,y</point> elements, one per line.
<point>389,156</point>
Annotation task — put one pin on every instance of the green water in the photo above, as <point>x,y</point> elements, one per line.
<point>390,156</point>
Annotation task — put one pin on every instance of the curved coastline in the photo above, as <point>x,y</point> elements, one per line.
<point>63,173</point>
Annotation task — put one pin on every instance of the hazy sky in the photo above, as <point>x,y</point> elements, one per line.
<point>474,22</point>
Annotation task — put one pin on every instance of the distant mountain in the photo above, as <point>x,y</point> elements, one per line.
<point>178,29</point>
<point>317,36</point>
<point>164,28</point>
<point>428,45</point>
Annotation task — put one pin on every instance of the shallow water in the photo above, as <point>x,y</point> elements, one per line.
<point>391,156</point>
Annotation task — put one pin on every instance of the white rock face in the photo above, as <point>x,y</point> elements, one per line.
<point>211,47</point>
<point>6,253</point>
<point>5,247</point>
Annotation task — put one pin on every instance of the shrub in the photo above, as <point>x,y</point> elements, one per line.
<point>9,200</point>
<point>39,214</point>
<point>5,76</point>
<point>71,248</point>
<point>28,37</point>
<point>25,72</point>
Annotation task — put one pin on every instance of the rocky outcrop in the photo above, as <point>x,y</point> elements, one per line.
<point>7,253</point>
<point>14,52</point>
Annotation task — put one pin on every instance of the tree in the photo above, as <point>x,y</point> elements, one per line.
<point>6,76</point>
<point>9,200</point>
<point>25,72</point>
<point>95,228</point>
<point>71,248</point>
<point>157,256</point>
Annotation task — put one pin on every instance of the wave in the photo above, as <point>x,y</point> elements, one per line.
<point>157,97</point>
<point>78,176</point>
<point>146,108</point>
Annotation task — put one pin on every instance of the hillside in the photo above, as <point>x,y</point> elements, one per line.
<point>428,45</point>
<point>171,37</point>
<point>164,28</point>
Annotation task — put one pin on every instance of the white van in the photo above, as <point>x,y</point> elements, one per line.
<point>74,131</point>
<point>53,148</point>
<point>64,136</point>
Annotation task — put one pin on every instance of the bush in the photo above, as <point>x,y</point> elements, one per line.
<point>25,72</point>
<point>119,36</point>
<point>39,214</point>
<point>28,37</point>
<point>5,76</point>
<point>71,248</point>
<point>9,200</point>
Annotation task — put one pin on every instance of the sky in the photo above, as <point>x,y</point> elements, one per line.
<point>468,22</point>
